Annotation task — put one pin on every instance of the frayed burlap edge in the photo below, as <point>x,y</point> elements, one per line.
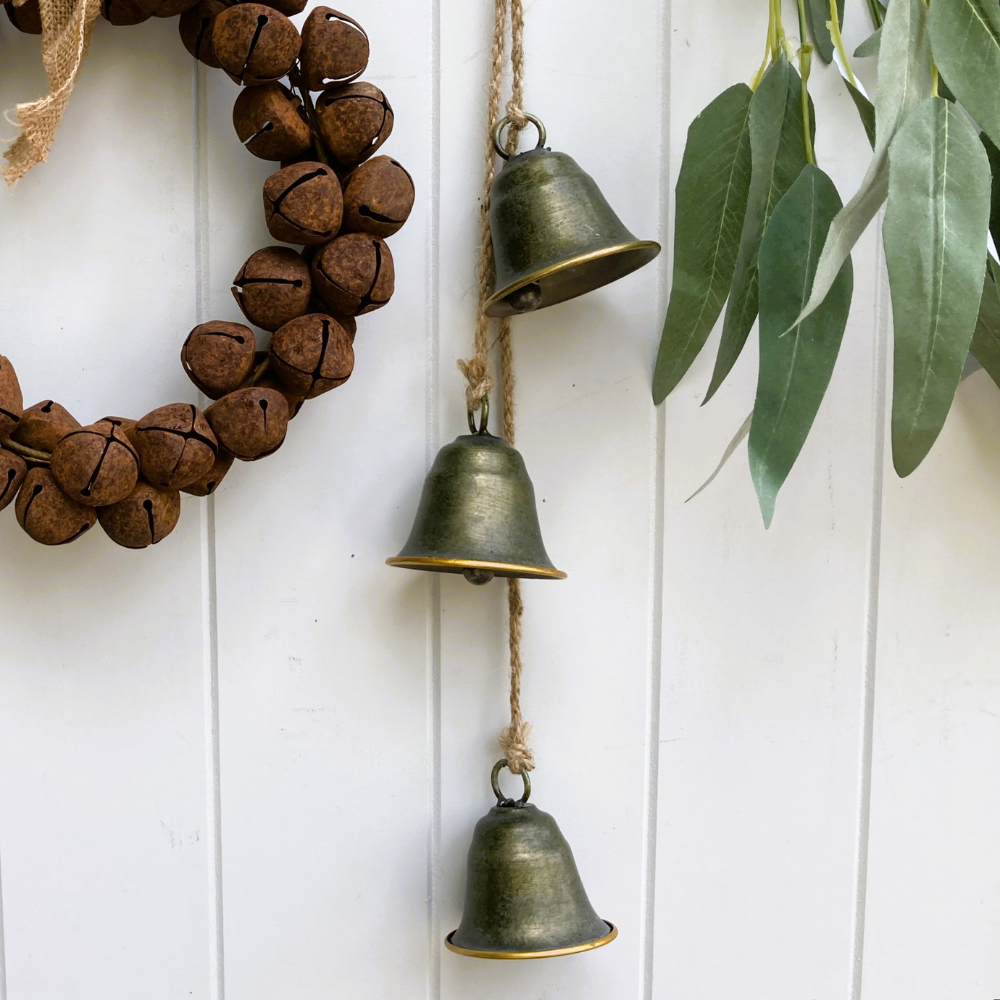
<point>66,31</point>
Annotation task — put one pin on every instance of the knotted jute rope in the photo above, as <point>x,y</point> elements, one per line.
<point>514,738</point>
<point>66,30</point>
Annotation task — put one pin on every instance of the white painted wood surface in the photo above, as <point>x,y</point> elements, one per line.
<point>247,763</point>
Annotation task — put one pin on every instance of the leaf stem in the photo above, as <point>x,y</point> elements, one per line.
<point>805,66</point>
<point>839,42</point>
<point>875,12</point>
<point>780,40</point>
<point>935,80</point>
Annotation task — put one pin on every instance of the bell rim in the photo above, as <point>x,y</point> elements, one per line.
<point>575,949</point>
<point>498,296</point>
<point>442,565</point>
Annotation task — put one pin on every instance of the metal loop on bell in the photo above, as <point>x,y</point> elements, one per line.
<point>504,122</point>
<point>484,409</point>
<point>502,799</point>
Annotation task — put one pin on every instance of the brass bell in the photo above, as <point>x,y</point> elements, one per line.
<point>554,234</point>
<point>524,897</point>
<point>477,513</point>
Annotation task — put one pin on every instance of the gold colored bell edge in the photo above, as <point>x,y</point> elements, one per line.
<point>554,234</point>
<point>477,514</point>
<point>524,897</point>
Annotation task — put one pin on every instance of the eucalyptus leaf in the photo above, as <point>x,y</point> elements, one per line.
<point>866,111</point>
<point>726,455</point>
<point>994,157</point>
<point>934,234</point>
<point>986,339</point>
<point>795,364</point>
<point>777,144</point>
<point>870,46</point>
<point>965,39</point>
<point>819,15</point>
<point>904,73</point>
<point>711,201</point>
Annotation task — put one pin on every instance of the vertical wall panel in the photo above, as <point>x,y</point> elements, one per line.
<point>322,648</point>
<point>102,730</point>
<point>934,879</point>
<point>358,705</point>
<point>764,633</point>
<point>585,429</point>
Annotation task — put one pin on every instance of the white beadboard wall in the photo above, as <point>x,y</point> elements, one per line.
<point>247,763</point>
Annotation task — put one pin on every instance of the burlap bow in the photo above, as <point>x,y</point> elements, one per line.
<point>66,30</point>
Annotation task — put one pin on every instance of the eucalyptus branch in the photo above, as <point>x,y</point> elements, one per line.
<point>876,12</point>
<point>776,42</point>
<point>839,42</point>
<point>805,66</point>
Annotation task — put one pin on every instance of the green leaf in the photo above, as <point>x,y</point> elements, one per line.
<point>711,202</point>
<point>994,157</point>
<point>965,39</point>
<point>934,235</point>
<point>870,46</point>
<point>904,73</point>
<point>986,340</point>
<point>866,110</point>
<point>737,439</point>
<point>819,15</point>
<point>796,363</point>
<point>778,150</point>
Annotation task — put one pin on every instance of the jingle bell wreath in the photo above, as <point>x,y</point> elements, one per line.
<point>331,196</point>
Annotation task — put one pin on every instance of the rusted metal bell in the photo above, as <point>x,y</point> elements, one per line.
<point>554,235</point>
<point>477,514</point>
<point>523,895</point>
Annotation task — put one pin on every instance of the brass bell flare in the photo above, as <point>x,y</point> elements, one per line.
<point>477,514</point>
<point>524,897</point>
<point>554,234</point>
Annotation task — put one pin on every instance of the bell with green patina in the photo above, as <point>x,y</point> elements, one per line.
<point>477,514</point>
<point>554,234</point>
<point>524,897</point>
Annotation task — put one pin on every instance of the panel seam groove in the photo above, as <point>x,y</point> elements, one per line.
<point>656,569</point>
<point>432,429</point>
<point>210,604</point>
<point>880,411</point>
<point>3,946</point>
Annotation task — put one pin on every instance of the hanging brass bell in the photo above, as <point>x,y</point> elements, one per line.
<point>554,235</point>
<point>477,513</point>
<point>524,897</point>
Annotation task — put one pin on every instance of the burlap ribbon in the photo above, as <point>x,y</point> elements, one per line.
<point>66,30</point>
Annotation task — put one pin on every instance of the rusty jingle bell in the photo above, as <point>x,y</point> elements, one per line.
<point>554,234</point>
<point>523,896</point>
<point>477,513</point>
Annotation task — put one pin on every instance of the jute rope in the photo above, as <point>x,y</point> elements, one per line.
<point>66,30</point>
<point>514,738</point>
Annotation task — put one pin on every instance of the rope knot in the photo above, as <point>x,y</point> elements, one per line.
<point>514,744</point>
<point>477,373</point>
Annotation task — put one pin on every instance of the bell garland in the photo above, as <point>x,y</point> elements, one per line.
<point>761,230</point>
<point>331,196</point>
<point>477,516</point>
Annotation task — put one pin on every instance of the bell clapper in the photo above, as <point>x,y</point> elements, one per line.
<point>526,299</point>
